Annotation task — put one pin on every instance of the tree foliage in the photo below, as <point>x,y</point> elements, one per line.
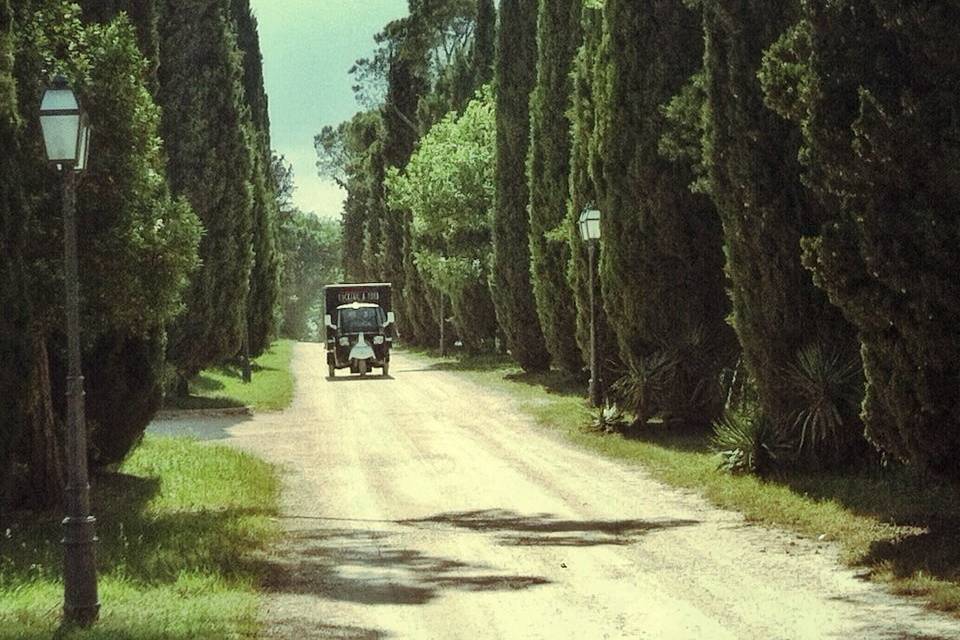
<point>548,167</point>
<point>206,127</point>
<point>448,187</point>
<point>754,180</point>
<point>871,84</point>
<point>662,263</point>
<point>514,78</point>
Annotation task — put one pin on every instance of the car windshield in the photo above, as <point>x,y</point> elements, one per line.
<point>364,319</point>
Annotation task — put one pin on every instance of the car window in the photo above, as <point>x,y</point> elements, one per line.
<point>364,319</point>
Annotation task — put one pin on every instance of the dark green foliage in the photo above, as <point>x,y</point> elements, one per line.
<point>205,127</point>
<point>662,265</point>
<point>586,184</point>
<point>510,282</point>
<point>647,381</point>
<point>263,300</point>
<point>875,93</point>
<point>755,182</point>
<point>137,244</point>
<point>124,384</point>
<point>484,42</point>
<point>558,38</point>
<point>14,221</point>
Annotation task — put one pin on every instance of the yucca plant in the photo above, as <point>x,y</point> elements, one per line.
<point>828,387</point>
<point>749,443</point>
<point>646,379</point>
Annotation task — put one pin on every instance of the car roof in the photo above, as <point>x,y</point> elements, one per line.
<point>359,305</point>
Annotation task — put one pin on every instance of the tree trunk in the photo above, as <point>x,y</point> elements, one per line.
<point>46,474</point>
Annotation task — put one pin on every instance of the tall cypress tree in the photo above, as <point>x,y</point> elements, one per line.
<point>662,262</point>
<point>514,77</point>
<point>205,128</point>
<point>558,37</point>
<point>586,187</point>
<point>755,183</point>
<point>879,114</point>
<point>265,273</point>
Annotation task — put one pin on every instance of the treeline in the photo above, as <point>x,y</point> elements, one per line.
<point>181,235</point>
<point>779,187</point>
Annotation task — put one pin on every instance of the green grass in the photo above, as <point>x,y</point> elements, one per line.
<point>905,530</point>
<point>271,387</point>
<point>177,526</point>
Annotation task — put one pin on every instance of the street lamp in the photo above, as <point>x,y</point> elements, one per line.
<point>590,234</point>
<point>66,136</point>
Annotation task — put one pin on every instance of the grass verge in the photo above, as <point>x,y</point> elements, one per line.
<point>903,529</point>
<point>177,526</point>
<point>271,387</point>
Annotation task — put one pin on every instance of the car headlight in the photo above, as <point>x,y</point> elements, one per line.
<point>344,341</point>
<point>377,339</point>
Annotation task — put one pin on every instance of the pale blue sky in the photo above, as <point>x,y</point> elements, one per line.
<point>308,46</point>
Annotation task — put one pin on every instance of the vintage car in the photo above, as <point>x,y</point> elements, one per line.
<point>359,327</point>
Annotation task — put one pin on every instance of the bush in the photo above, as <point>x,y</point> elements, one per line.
<point>748,442</point>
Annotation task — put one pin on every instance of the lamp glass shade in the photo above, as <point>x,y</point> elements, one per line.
<point>60,117</point>
<point>83,152</point>
<point>590,225</point>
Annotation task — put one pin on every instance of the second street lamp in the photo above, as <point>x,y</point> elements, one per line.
<point>66,137</point>
<point>590,233</point>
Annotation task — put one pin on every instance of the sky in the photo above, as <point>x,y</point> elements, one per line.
<point>308,46</point>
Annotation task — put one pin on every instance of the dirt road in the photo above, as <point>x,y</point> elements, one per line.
<point>422,506</point>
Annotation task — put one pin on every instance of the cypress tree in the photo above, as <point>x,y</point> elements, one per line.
<point>755,183</point>
<point>586,188</point>
<point>263,302</point>
<point>204,126</point>
<point>879,114</point>
<point>548,165</point>
<point>662,265</point>
<point>514,77</point>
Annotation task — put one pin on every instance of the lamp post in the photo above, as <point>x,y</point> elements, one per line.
<point>590,234</point>
<point>66,136</point>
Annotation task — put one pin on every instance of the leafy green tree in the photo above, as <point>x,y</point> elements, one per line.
<point>662,265</point>
<point>205,127</point>
<point>510,279</point>
<point>448,186</point>
<point>872,84</point>
<point>548,167</point>
<point>755,182</point>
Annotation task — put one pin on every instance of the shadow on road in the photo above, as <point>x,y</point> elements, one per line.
<point>201,427</point>
<point>368,567</point>
<point>542,529</point>
<point>357,378</point>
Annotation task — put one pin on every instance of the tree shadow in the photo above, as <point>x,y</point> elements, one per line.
<point>365,566</point>
<point>198,403</point>
<point>200,427</point>
<point>553,381</point>
<point>541,529</point>
<point>673,436</point>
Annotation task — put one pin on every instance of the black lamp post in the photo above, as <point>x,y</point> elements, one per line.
<point>590,234</point>
<point>66,136</point>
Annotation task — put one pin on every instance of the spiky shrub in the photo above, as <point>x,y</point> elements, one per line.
<point>646,379</point>
<point>748,442</point>
<point>828,387</point>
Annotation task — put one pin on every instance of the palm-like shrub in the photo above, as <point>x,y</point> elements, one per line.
<point>748,442</point>
<point>610,419</point>
<point>646,380</point>
<point>828,387</point>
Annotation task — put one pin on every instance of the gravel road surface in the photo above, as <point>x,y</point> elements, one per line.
<point>424,506</point>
